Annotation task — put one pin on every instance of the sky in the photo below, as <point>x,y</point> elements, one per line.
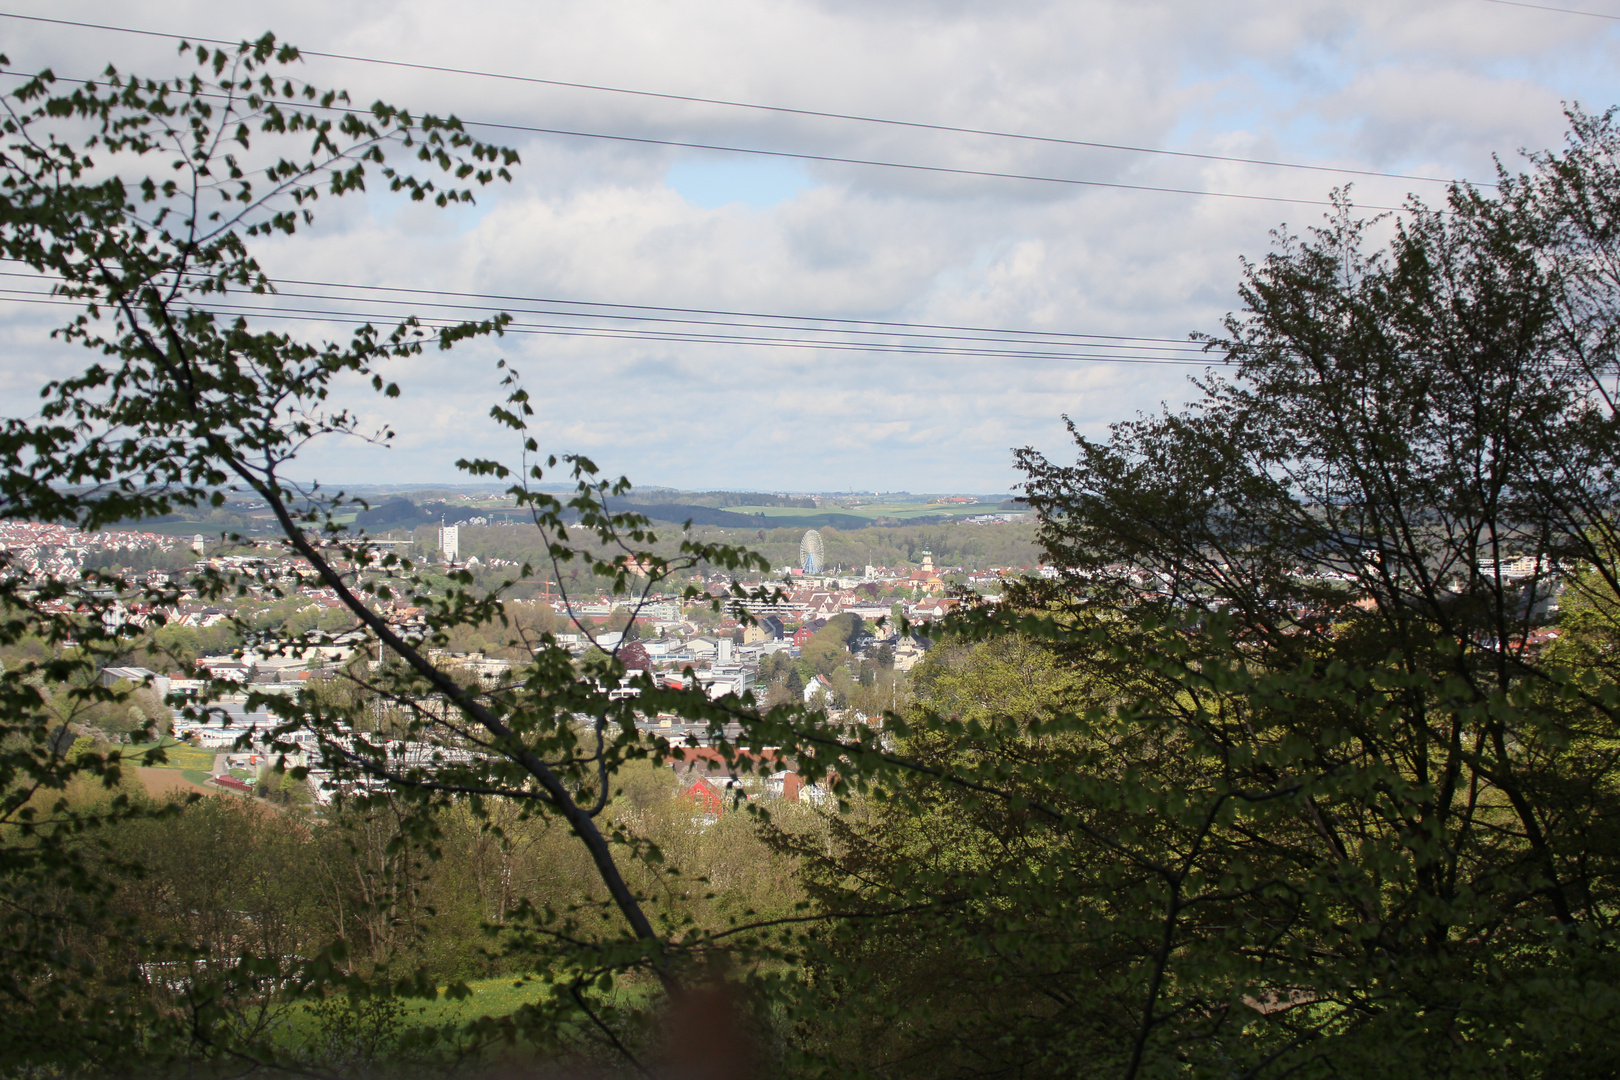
<point>1422,88</point>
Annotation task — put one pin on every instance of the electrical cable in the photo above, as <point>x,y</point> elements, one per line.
<point>431,322</point>
<point>746,314</point>
<point>910,331</point>
<point>891,328</point>
<point>913,167</point>
<point>296,314</point>
<point>1558,10</point>
<point>838,160</point>
<point>779,109</point>
<point>1009,337</point>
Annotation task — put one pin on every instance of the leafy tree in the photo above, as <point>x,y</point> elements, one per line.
<point>622,620</point>
<point>141,200</point>
<point>1266,782</point>
<point>843,685</point>
<point>824,652</point>
<point>1275,784</point>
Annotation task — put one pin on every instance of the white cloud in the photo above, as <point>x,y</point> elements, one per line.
<point>1374,84</point>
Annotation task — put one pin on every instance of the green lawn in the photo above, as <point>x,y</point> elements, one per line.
<point>197,776</point>
<point>181,756</point>
<point>491,997</point>
<point>503,996</point>
<point>308,1028</point>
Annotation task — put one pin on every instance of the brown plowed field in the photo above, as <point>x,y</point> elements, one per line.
<point>160,782</point>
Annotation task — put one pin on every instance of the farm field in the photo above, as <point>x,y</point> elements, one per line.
<point>183,756</point>
<point>174,783</point>
<point>871,511</point>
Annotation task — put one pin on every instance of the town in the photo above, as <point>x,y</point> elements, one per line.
<point>839,640</point>
<point>909,541</point>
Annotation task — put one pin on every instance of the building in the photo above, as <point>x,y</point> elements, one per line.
<point>1512,569</point>
<point>137,676</point>
<point>450,542</point>
<point>766,629</point>
<point>818,687</point>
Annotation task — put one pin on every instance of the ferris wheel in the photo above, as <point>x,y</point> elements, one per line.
<point>812,556</point>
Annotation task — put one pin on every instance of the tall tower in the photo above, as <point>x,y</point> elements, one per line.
<point>928,562</point>
<point>450,541</point>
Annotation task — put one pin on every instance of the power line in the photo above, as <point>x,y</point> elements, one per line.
<point>778,109</point>
<point>1115,185</point>
<point>1558,10</point>
<point>345,318</point>
<point>905,329</point>
<point>1003,336</point>
<point>298,314</point>
<point>430,322</point>
<point>890,326</point>
<point>941,169</point>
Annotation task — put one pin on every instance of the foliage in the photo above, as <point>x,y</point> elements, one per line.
<point>179,755</point>
<point>140,201</point>
<point>134,199</point>
<point>1272,779</point>
<point>1269,780</point>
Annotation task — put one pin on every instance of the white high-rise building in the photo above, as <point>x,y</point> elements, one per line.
<point>450,542</point>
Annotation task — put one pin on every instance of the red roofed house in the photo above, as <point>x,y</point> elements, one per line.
<point>707,795</point>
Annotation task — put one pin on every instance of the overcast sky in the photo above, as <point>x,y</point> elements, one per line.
<point>1419,87</point>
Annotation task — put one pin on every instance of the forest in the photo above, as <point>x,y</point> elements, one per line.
<point>1301,764</point>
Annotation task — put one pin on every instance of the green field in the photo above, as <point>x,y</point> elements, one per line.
<point>174,528</point>
<point>501,997</point>
<point>491,997</point>
<point>182,756</point>
<point>870,511</point>
<point>311,1026</point>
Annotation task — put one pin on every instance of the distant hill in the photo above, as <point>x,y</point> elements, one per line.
<point>717,500</point>
<point>698,515</point>
<point>726,519</point>
<point>399,512</point>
